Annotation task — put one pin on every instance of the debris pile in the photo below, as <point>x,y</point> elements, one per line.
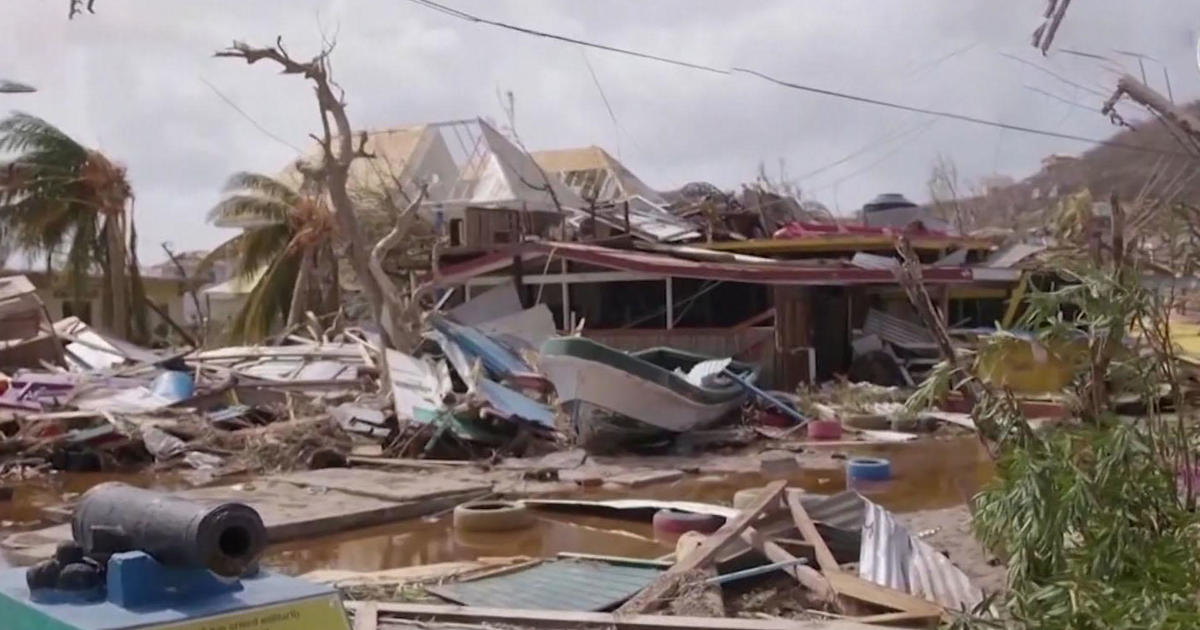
<point>809,556</point>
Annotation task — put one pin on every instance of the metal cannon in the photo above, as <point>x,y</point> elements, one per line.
<point>143,560</point>
<point>226,539</point>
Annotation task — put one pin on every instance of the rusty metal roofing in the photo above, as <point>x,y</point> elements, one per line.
<point>553,585</point>
<point>828,272</point>
<point>891,556</point>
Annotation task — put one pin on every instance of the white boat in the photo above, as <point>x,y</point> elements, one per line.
<point>642,393</point>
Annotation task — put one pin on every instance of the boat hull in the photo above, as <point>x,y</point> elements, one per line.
<point>581,381</point>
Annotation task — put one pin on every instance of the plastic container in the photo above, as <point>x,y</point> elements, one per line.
<point>869,469</point>
<point>173,386</point>
<point>824,429</point>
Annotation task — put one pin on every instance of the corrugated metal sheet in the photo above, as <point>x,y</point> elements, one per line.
<point>895,330</point>
<point>844,510</point>
<point>649,221</point>
<point>554,585</point>
<point>1013,254</point>
<point>863,260</point>
<point>892,557</point>
<point>499,360</point>
<point>514,404</point>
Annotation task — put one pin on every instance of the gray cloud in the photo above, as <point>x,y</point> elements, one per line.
<point>129,81</point>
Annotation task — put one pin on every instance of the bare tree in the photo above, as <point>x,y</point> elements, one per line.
<point>338,151</point>
<point>944,188</point>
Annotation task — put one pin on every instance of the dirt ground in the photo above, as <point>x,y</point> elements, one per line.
<point>952,536</point>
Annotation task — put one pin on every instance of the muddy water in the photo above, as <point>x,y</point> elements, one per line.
<point>39,501</point>
<point>927,475</point>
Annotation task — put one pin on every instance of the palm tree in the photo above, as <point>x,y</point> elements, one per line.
<point>61,200</point>
<point>286,242</point>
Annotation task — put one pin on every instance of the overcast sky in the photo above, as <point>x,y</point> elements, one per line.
<point>131,81</point>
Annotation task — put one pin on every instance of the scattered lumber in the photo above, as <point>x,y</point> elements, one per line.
<point>568,619</point>
<point>914,608</point>
<point>668,583</point>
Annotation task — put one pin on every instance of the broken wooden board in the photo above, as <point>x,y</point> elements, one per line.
<point>637,479</point>
<point>378,484</point>
<point>705,553</point>
<point>852,586</point>
<point>569,619</point>
<point>289,511</point>
<point>412,575</point>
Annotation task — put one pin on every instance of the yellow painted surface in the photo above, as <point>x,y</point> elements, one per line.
<point>321,613</point>
<point>1186,334</point>
<point>1028,367</point>
<point>841,242</point>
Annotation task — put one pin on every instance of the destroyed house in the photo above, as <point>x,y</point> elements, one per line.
<point>797,317</point>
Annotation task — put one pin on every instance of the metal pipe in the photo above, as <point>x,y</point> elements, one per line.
<point>787,409</point>
<point>113,517</point>
<point>752,571</point>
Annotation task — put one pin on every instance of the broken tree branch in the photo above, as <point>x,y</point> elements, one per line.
<point>909,276</point>
<point>338,153</point>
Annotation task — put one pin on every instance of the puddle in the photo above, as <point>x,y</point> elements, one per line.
<point>431,541</point>
<point>36,501</point>
<point>927,475</point>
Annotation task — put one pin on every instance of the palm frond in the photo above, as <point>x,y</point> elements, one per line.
<point>228,250</point>
<point>261,247</point>
<point>22,133</point>
<point>261,185</point>
<point>237,207</point>
<point>268,301</point>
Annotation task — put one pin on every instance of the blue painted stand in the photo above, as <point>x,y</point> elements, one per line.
<point>143,593</point>
<point>136,580</point>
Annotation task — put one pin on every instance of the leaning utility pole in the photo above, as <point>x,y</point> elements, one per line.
<point>1177,118</point>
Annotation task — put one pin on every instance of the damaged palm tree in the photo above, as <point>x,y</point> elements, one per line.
<point>339,149</point>
<point>286,246</point>
<point>59,198</point>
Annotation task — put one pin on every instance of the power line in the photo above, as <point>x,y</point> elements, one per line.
<point>249,118</point>
<point>869,146</point>
<point>603,97</point>
<point>912,134</point>
<point>462,15</point>
<point>430,4</point>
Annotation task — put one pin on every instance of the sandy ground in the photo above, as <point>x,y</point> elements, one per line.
<point>953,537</point>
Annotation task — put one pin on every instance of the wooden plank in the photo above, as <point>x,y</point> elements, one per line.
<point>378,484</point>
<point>851,585</point>
<point>571,619</point>
<point>808,577</point>
<point>808,530</point>
<point>887,619</point>
<point>863,590</point>
<point>666,583</point>
<point>637,479</point>
<point>366,617</point>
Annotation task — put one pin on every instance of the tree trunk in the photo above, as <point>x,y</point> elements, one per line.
<point>118,286</point>
<point>300,292</point>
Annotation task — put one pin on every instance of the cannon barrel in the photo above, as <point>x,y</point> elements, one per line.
<point>226,539</point>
